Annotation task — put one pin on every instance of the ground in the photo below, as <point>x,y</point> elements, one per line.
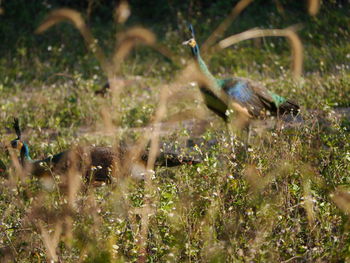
<point>282,198</point>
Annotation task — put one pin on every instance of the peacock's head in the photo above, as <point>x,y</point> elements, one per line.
<point>192,43</point>
<point>16,144</point>
<point>194,47</point>
<point>19,144</point>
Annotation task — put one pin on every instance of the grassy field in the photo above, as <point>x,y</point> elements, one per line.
<point>283,198</point>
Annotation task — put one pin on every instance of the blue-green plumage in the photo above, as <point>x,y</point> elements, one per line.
<point>278,100</point>
<point>252,96</point>
<point>240,91</point>
<point>39,167</point>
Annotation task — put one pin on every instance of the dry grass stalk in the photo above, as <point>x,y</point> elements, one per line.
<point>309,176</point>
<point>128,40</point>
<point>66,14</point>
<point>308,202</point>
<point>107,120</point>
<point>74,180</point>
<point>341,197</point>
<point>188,74</point>
<point>265,226</point>
<point>313,6</point>
<point>289,33</point>
<point>122,12</point>
<point>154,148</point>
<point>256,181</point>
<point>219,31</point>
<point>90,7</point>
<point>133,37</point>
<point>160,113</point>
<point>51,241</point>
<point>279,7</point>
<point>16,163</point>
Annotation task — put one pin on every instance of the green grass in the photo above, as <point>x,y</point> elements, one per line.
<point>281,199</point>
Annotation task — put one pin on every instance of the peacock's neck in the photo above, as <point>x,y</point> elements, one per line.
<point>204,68</point>
<point>25,156</point>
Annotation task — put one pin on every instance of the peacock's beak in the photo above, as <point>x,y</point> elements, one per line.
<point>192,42</point>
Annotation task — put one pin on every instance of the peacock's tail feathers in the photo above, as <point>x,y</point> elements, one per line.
<point>17,128</point>
<point>289,107</point>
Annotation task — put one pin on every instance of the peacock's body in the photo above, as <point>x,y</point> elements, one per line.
<point>96,163</point>
<point>250,97</point>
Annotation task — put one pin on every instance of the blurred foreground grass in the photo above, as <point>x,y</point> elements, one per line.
<point>284,198</point>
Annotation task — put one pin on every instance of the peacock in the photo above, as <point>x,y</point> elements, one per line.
<point>36,167</point>
<point>96,163</point>
<point>250,97</point>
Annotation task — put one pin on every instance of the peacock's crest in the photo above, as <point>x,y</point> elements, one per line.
<point>17,143</point>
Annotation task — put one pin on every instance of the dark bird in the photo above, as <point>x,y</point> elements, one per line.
<point>249,97</point>
<point>96,163</point>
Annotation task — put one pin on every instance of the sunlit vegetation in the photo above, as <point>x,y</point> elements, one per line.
<point>282,197</point>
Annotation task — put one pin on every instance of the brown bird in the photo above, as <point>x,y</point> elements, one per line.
<point>99,164</point>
